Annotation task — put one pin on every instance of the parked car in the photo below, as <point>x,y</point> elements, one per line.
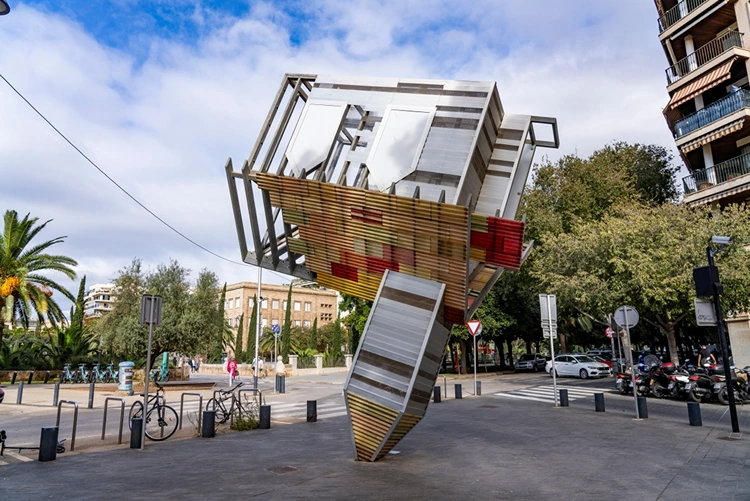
<point>606,354</point>
<point>531,362</point>
<point>603,360</point>
<point>582,366</point>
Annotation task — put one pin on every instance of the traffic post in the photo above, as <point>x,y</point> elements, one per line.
<point>475,329</point>
<point>151,316</point>
<point>627,317</point>
<point>548,308</point>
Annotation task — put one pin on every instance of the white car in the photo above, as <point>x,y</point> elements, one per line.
<point>582,366</point>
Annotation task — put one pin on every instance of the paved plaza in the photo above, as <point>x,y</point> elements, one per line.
<point>488,447</point>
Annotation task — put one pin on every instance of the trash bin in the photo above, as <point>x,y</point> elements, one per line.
<point>126,376</point>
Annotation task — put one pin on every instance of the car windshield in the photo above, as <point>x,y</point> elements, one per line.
<point>527,357</point>
<point>585,359</point>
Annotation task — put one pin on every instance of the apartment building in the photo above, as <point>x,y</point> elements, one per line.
<point>307,305</point>
<point>707,44</point>
<point>99,299</point>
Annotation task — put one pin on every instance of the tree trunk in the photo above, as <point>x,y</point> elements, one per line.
<point>509,345</point>
<point>528,345</point>
<point>501,352</point>
<point>563,343</point>
<point>672,343</point>
<point>463,356</point>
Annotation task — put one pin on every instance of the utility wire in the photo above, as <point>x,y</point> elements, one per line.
<point>110,179</point>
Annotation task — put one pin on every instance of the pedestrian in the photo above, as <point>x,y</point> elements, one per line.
<point>260,367</point>
<point>191,364</point>
<point>705,357</point>
<point>232,370</point>
<point>198,364</point>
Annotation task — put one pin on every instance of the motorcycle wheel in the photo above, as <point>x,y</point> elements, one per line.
<point>723,396</point>
<point>695,397</point>
<point>657,391</point>
<point>624,390</point>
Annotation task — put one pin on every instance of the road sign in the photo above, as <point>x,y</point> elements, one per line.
<point>609,331</point>
<point>475,327</point>
<point>276,329</point>
<point>548,308</point>
<point>626,316</point>
<point>150,309</point>
<point>704,312</point>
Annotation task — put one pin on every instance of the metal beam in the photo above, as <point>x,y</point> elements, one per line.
<point>268,121</point>
<point>236,208</point>
<point>250,198</point>
<point>270,230</point>
<point>274,146</point>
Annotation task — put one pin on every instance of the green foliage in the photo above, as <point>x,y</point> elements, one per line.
<point>239,354</point>
<point>286,336</point>
<point>314,335</point>
<point>336,338</point>
<point>24,288</point>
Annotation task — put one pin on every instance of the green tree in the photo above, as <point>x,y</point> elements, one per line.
<point>251,332</point>
<point>313,345</point>
<point>76,318</point>
<point>286,336</point>
<point>25,289</point>
<point>239,342</point>
<point>337,339</point>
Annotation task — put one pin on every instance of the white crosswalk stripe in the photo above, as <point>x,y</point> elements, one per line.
<point>285,411</point>
<point>547,393</point>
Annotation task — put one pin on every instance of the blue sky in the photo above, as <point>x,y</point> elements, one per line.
<point>161,92</point>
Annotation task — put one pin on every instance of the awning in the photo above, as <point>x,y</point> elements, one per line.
<point>696,87</point>
<point>671,115</point>
<point>711,136</point>
<point>720,195</point>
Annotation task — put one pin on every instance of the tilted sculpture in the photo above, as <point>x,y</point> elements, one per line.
<point>399,191</point>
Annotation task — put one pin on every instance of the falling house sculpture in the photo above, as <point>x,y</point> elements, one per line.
<point>399,191</point>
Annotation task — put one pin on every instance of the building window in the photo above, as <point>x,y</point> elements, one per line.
<point>250,303</point>
<point>237,303</point>
<point>297,306</point>
<point>308,306</point>
<point>306,323</point>
<point>296,323</point>
<point>231,304</point>
<point>274,322</point>
<point>264,304</point>
<point>275,304</point>
<point>237,322</point>
<point>263,322</point>
<point>284,305</point>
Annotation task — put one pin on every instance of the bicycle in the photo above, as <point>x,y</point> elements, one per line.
<point>218,404</point>
<point>111,375</point>
<point>67,375</point>
<point>161,420</point>
<point>98,375</point>
<point>82,375</point>
<point>159,374</point>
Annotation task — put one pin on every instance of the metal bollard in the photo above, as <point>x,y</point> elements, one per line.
<point>265,417</point>
<point>136,430</point>
<point>564,398</point>
<point>436,394</point>
<point>46,377</point>
<point>208,426</point>
<point>694,414</point>
<point>457,389</point>
<point>13,379</point>
<point>478,389</point>
<point>19,395</point>
<point>599,402</point>
<point>642,408</point>
<point>282,384</point>
<point>91,396</point>
<point>48,443</point>
<point>31,376</point>
<point>276,383</point>
<point>312,411</point>
<point>56,394</point>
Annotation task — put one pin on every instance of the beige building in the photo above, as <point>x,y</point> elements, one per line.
<point>99,299</point>
<point>307,305</point>
<point>707,46</point>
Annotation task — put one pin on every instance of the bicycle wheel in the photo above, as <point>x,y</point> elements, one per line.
<point>161,423</point>
<point>136,411</point>
<point>222,416</point>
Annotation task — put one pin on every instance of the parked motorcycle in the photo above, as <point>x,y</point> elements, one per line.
<point>624,383</point>
<point>702,381</point>
<point>740,386</point>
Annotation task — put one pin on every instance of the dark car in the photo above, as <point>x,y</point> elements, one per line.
<point>531,362</point>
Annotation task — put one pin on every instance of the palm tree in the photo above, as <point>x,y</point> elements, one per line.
<point>24,290</point>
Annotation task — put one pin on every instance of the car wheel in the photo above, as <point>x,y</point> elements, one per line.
<point>584,374</point>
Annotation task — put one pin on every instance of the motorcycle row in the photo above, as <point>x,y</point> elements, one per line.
<point>699,384</point>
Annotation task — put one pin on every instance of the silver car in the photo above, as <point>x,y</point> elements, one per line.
<point>531,362</point>
<point>582,366</point>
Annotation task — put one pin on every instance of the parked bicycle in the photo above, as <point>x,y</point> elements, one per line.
<point>67,375</point>
<point>159,374</point>
<point>82,375</point>
<point>112,375</point>
<point>227,403</point>
<point>161,420</point>
<point>98,375</point>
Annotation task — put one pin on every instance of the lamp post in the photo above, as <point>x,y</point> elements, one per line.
<point>714,285</point>
<point>4,7</point>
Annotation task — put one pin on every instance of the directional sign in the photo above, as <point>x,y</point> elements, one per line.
<point>475,327</point>
<point>548,309</point>
<point>609,331</point>
<point>704,312</point>
<point>626,316</point>
<point>276,329</point>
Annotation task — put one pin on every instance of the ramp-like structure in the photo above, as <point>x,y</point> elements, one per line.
<point>391,380</point>
<point>399,191</point>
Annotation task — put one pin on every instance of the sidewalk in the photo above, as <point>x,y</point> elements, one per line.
<point>477,448</point>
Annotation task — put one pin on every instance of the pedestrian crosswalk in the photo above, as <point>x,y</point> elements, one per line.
<point>285,412</point>
<point>546,393</point>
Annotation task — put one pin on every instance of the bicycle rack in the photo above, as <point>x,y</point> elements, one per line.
<point>122,416</point>
<point>237,398</point>
<point>200,406</point>
<point>75,420</point>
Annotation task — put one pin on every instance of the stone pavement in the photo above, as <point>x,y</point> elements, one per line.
<point>477,448</point>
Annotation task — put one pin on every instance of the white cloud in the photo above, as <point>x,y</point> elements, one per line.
<point>163,121</point>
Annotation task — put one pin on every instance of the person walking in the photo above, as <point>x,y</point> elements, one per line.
<point>191,364</point>
<point>232,370</point>
<point>705,356</point>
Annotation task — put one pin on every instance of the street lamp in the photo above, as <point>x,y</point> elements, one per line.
<point>707,283</point>
<point>4,7</point>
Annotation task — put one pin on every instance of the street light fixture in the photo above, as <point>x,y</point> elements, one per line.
<point>4,7</point>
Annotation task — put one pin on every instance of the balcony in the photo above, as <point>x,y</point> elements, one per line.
<point>708,52</point>
<point>727,105</point>
<point>677,12</point>
<point>720,173</point>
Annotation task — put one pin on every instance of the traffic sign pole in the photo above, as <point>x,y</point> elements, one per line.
<point>475,365</point>
<point>611,336</point>
<point>632,367</point>
<point>552,351</point>
<point>475,329</point>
